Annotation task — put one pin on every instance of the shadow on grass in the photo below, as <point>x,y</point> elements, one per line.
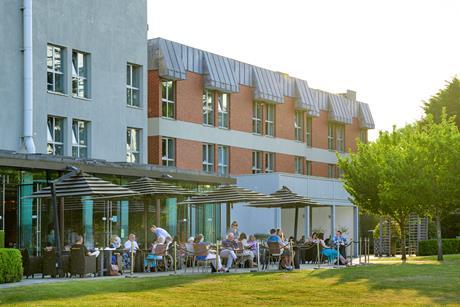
<point>438,281</point>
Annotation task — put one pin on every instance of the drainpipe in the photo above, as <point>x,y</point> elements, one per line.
<point>28,81</point>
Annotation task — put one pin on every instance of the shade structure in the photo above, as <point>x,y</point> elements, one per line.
<point>286,199</point>
<point>83,184</point>
<point>148,186</point>
<point>228,194</point>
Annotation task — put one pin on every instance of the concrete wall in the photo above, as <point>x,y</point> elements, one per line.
<point>113,32</point>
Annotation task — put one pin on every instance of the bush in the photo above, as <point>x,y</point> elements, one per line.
<point>10,265</point>
<point>430,247</point>
<point>2,239</point>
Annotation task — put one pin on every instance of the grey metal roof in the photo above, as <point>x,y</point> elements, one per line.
<point>365,116</point>
<point>306,100</point>
<point>173,60</point>
<point>340,109</point>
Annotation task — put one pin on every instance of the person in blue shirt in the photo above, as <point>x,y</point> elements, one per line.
<point>338,238</point>
<point>160,232</point>
<point>286,253</point>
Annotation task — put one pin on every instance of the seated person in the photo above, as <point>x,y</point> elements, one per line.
<point>286,254</point>
<point>339,240</point>
<point>79,244</point>
<point>115,242</point>
<point>130,247</point>
<point>331,253</point>
<point>228,247</point>
<point>151,260</point>
<point>216,265</point>
<point>247,249</point>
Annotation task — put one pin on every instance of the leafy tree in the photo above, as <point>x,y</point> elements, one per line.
<point>448,98</point>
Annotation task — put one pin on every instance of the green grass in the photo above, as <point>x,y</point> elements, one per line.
<point>421,280</point>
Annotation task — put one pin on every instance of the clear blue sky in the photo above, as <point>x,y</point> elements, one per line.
<point>394,54</point>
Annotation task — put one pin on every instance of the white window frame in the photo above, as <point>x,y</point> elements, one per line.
<point>168,158</point>
<point>132,70</point>
<point>298,125</point>
<point>257,114</point>
<point>208,158</point>
<point>298,163</point>
<point>133,145</point>
<point>77,143</point>
<point>270,119</point>
<point>222,160</point>
<point>269,162</point>
<point>208,108</point>
<point>168,103</point>
<point>223,110</point>
<point>80,78</point>
<point>256,162</point>
<point>54,70</point>
<point>51,135</point>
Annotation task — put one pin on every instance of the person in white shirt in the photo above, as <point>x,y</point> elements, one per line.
<point>160,232</point>
<point>130,247</point>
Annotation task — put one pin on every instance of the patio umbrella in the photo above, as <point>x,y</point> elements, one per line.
<point>228,194</point>
<point>287,200</point>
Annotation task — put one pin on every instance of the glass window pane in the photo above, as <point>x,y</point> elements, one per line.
<point>57,59</point>
<point>128,74</point>
<point>50,81</point>
<point>170,91</point>
<point>59,83</point>
<point>164,89</point>
<point>135,76</point>
<point>49,57</point>
<point>74,133</point>
<point>135,97</point>
<point>59,149</point>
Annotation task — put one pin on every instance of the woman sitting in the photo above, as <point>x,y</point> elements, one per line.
<point>247,252</point>
<point>150,262</point>
<point>199,239</point>
<point>331,253</point>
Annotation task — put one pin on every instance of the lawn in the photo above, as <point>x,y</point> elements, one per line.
<point>419,281</point>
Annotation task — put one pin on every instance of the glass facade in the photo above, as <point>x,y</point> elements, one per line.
<point>29,222</point>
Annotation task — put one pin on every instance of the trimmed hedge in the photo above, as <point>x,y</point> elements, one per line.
<point>2,239</point>
<point>430,247</point>
<point>10,265</point>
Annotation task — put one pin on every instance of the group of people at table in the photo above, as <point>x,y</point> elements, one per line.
<point>235,245</point>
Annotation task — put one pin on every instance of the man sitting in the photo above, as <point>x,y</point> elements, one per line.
<point>339,240</point>
<point>286,253</point>
<point>228,246</point>
<point>79,244</point>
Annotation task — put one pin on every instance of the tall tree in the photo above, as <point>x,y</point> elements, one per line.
<point>448,98</point>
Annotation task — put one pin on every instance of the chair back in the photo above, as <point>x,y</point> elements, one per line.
<point>274,248</point>
<point>160,250</point>
<point>200,249</point>
<point>77,260</point>
<point>49,262</point>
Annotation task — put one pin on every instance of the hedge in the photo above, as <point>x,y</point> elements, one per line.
<point>2,239</point>
<point>430,247</point>
<point>10,265</point>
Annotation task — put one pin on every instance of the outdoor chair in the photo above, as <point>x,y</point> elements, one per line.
<point>31,264</point>
<point>50,263</point>
<point>241,257</point>
<point>201,250</point>
<point>166,262</point>
<point>81,264</point>
<point>274,253</point>
<point>187,254</point>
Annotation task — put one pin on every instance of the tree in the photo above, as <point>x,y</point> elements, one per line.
<point>448,98</point>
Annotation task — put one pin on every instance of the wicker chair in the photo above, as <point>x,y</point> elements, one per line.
<point>49,264</point>
<point>274,253</point>
<point>81,264</point>
<point>201,250</point>
<point>31,264</point>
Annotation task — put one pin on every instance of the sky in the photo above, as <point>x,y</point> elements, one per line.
<point>394,54</point>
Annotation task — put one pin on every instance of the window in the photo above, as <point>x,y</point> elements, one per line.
<point>222,156</point>
<point>340,138</point>
<point>80,74</point>
<point>133,85</point>
<point>133,137</point>
<point>55,69</point>
<point>363,136</point>
<point>168,98</point>
<point>298,165</point>
<point>330,136</point>
<point>257,110</point>
<point>298,125</point>
<point>308,134</point>
<point>167,151</point>
<point>208,158</point>
<point>79,139</point>
<point>270,119</point>
<point>256,162</point>
<point>55,136</point>
<point>331,171</point>
<point>208,108</point>
<point>269,162</point>
<point>223,108</point>
<point>308,168</point>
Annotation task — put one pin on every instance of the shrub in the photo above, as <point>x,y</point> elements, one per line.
<point>430,247</point>
<point>10,265</point>
<point>2,239</point>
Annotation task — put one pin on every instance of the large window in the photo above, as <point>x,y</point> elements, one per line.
<point>330,136</point>
<point>79,139</point>
<point>223,108</point>
<point>55,69</point>
<point>208,108</point>
<point>133,77</point>
<point>168,98</point>
<point>298,165</point>
<point>133,138</point>
<point>55,136</point>
<point>340,138</point>
<point>167,151</point>
<point>308,171</point>
<point>269,162</point>
<point>298,123</point>
<point>256,162</point>
<point>363,136</point>
<point>222,154</point>
<point>269,119</point>
<point>80,74</point>
<point>308,127</point>
<point>208,158</point>
<point>257,110</point>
